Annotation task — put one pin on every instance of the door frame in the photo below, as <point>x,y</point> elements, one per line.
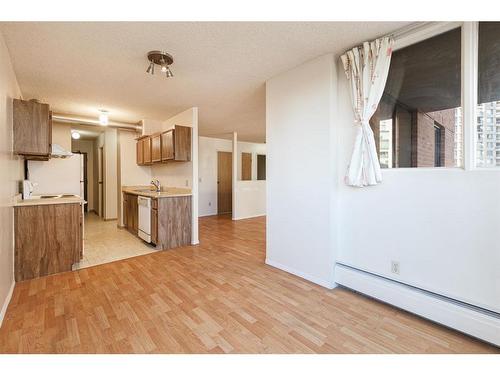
<point>101,182</point>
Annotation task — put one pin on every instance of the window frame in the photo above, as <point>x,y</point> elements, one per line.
<point>469,74</point>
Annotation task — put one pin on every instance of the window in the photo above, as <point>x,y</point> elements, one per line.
<point>261,167</point>
<point>488,91</point>
<point>438,157</point>
<point>418,122</point>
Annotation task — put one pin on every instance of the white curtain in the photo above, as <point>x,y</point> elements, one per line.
<point>366,68</point>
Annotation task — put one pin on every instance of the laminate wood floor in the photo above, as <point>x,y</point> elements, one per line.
<point>218,297</point>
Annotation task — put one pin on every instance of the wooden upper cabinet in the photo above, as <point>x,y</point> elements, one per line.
<point>167,145</point>
<point>140,152</point>
<point>32,125</point>
<point>173,144</point>
<point>156,148</point>
<point>182,143</point>
<point>146,145</point>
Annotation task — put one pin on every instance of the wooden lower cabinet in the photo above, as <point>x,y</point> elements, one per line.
<point>154,225</point>
<point>174,222</point>
<point>48,239</point>
<point>130,213</point>
<point>170,220</point>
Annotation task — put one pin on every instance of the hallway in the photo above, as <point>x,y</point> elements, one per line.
<point>217,297</point>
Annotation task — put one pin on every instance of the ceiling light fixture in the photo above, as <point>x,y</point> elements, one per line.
<point>103,117</point>
<point>75,135</point>
<point>162,59</point>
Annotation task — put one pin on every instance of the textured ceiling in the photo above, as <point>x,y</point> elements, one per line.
<point>220,67</point>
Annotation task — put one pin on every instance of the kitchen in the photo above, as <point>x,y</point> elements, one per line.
<point>97,205</point>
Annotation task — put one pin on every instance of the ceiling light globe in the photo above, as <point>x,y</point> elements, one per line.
<point>103,119</point>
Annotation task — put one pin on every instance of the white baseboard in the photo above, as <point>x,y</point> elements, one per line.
<point>248,217</point>
<point>6,302</point>
<point>467,319</point>
<point>209,214</point>
<point>324,283</point>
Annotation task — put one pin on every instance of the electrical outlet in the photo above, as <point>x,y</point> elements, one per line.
<point>395,267</point>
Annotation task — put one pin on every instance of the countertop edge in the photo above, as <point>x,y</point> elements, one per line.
<point>155,195</point>
<point>19,202</point>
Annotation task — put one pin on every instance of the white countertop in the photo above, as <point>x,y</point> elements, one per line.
<point>165,192</point>
<point>37,200</point>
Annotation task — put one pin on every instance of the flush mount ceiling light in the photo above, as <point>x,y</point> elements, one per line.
<point>103,117</point>
<point>163,59</point>
<point>75,135</point>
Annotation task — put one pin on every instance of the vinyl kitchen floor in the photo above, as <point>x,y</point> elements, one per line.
<point>104,242</point>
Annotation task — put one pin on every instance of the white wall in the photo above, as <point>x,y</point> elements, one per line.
<point>174,174</point>
<point>61,135</point>
<point>250,195</point>
<point>10,175</point>
<point>130,174</point>
<point>87,146</point>
<point>251,148</point>
<point>441,225</point>
<point>250,199</point>
<point>301,172</point>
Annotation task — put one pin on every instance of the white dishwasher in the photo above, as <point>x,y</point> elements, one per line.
<point>144,204</point>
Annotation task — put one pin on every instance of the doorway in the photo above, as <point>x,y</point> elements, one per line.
<point>84,178</point>
<point>224,182</point>
<point>100,180</point>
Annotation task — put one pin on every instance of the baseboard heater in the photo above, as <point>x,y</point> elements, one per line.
<point>471,320</point>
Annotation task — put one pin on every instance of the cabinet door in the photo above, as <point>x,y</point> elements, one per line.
<point>47,239</point>
<point>146,144</point>
<point>80,240</point>
<point>32,128</point>
<point>125,210</point>
<point>154,226</point>
<point>140,152</point>
<point>182,143</point>
<point>131,213</point>
<point>135,214</point>
<point>167,145</point>
<point>156,148</point>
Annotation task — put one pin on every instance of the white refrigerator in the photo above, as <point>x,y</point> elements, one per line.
<point>82,175</point>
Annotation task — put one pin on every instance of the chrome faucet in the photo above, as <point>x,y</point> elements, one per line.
<point>156,184</point>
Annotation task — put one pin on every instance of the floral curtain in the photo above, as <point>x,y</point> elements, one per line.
<point>366,68</point>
